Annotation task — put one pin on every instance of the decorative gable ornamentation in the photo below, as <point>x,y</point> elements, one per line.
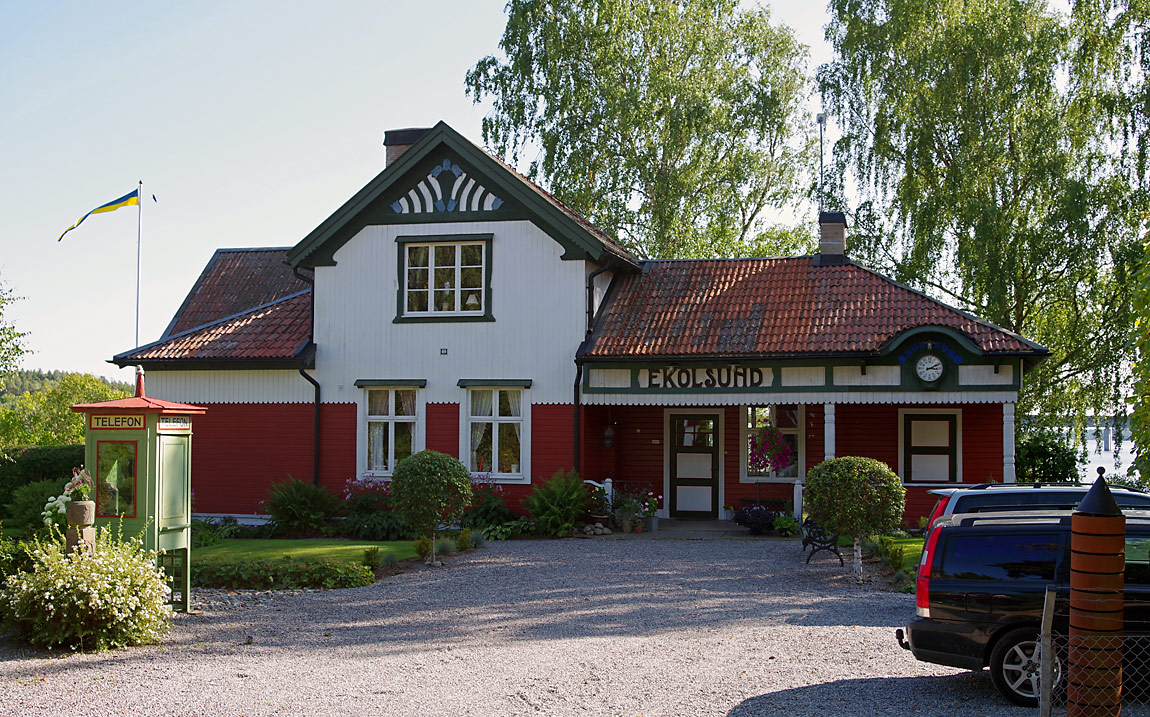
<point>447,188</point>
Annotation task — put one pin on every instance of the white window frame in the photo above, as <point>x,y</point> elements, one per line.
<point>431,247</point>
<point>418,431</point>
<point>524,419</point>
<point>902,468</point>
<point>745,436</point>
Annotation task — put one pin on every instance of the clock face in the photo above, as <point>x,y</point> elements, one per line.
<point>929,368</point>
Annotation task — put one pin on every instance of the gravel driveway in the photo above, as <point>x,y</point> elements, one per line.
<point>562,627</point>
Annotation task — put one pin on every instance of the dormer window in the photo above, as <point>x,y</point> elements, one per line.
<point>445,278</point>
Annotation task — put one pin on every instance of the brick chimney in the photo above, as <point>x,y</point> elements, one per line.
<point>832,239</point>
<point>399,141</point>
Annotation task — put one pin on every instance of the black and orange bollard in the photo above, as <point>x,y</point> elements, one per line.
<point>1097,578</point>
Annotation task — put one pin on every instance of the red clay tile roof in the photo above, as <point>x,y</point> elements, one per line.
<point>773,308</point>
<point>277,331</point>
<point>235,280</point>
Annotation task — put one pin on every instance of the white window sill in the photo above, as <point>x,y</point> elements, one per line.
<point>780,481</point>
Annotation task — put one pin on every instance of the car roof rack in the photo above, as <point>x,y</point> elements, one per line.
<point>1037,486</point>
<point>1019,517</point>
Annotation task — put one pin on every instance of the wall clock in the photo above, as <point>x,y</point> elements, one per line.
<point>929,368</point>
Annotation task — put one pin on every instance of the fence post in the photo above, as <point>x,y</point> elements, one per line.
<point>1046,666</point>
<point>607,483</point>
<point>1097,579</point>
<point>797,502</point>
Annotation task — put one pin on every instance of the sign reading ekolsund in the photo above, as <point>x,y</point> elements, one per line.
<point>116,423</point>
<point>715,377</point>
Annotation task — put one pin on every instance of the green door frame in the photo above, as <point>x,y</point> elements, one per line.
<point>675,448</point>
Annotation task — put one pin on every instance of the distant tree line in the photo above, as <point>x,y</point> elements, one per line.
<point>17,383</point>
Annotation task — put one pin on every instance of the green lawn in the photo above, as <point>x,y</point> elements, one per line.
<point>348,550</point>
<point>913,548</point>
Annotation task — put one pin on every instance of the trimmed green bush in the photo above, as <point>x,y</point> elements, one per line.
<point>423,547</point>
<point>373,558</point>
<point>114,597</point>
<point>558,503</point>
<point>280,574</point>
<point>30,464</point>
<point>301,509</point>
<point>464,541</point>
<point>430,489</point>
<point>855,497</point>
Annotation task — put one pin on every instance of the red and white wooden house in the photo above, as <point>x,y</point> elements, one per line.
<point>452,304</point>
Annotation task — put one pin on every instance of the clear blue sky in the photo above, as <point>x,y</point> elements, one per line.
<point>250,121</point>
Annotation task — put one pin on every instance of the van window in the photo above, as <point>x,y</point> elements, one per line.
<point>1000,557</point>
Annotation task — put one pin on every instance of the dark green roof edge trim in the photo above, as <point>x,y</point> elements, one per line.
<point>469,382</point>
<point>366,382</point>
<point>318,247</point>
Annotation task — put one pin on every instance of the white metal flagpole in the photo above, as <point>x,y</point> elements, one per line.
<point>139,232</point>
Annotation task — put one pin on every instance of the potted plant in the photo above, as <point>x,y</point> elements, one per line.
<point>756,519</point>
<point>647,508</point>
<point>728,512</point>
<point>625,508</point>
<point>80,510</point>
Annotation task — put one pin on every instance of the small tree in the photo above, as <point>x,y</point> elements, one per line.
<point>855,497</point>
<point>429,489</point>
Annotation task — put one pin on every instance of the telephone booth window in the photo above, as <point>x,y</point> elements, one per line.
<point>116,479</point>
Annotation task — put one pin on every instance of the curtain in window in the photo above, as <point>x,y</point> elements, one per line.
<point>405,403</point>
<point>509,403</point>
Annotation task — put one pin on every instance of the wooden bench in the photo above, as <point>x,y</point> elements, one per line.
<point>819,539</point>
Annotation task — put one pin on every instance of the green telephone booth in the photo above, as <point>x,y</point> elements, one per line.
<point>138,451</point>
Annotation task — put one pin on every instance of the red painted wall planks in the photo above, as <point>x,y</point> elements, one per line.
<point>443,428</point>
<point>240,449</point>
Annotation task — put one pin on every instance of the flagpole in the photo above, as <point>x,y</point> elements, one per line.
<point>139,232</point>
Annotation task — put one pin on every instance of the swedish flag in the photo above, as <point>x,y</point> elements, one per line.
<point>132,197</point>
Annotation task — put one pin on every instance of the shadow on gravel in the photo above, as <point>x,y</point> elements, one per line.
<point>545,590</point>
<point>965,693</point>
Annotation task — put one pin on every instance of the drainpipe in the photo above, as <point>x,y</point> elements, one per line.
<point>315,384</point>
<point>578,364</point>
<point>315,426</point>
<point>577,431</point>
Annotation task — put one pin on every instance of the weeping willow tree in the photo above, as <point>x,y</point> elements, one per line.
<point>671,125</point>
<point>988,174</point>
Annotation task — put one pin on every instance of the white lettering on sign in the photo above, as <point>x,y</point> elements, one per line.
<point>175,423</point>
<point>106,423</point>
<point>723,377</point>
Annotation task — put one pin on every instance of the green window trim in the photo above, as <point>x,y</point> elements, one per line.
<point>430,316</point>
<point>494,382</point>
<point>389,382</point>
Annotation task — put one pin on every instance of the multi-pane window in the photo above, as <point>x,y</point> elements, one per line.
<point>786,419</point>
<point>390,428</point>
<point>495,425</point>
<point>445,278</point>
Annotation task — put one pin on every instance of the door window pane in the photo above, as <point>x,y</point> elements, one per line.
<point>116,478</point>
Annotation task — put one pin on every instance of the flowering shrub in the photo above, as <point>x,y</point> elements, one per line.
<point>369,510</point>
<point>769,451</point>
<point>111,597</point>
<point>649,506</point>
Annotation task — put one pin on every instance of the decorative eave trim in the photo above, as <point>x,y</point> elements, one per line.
<point>812,397</point>
<point>315,250</point>
<point>373,382</point>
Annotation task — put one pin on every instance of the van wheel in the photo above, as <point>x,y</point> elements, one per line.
<point>1015,664</point>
